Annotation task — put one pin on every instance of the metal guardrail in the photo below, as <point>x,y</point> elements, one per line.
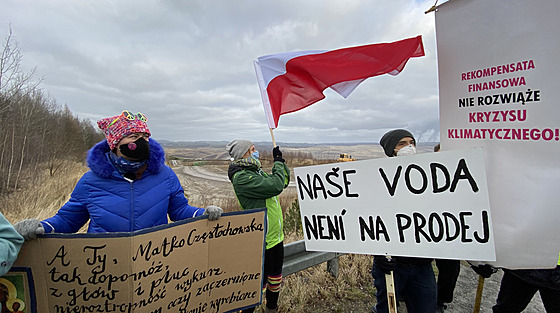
<point>296,259</point>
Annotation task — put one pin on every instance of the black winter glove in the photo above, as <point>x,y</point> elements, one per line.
<point>384,264</point>
<point>277,154</point>
<point>484,270</point>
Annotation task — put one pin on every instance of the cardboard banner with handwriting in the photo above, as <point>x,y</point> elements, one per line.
<point>194,265</point>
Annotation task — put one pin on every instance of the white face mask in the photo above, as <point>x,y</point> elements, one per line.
<point>408,150</point>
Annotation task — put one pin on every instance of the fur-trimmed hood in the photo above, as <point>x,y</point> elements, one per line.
<point>99,163</point>
<point>112,203</point>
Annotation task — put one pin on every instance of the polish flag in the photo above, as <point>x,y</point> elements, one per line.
<point>292,81</point>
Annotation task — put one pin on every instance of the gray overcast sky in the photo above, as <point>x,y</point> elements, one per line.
<point>188,65</point>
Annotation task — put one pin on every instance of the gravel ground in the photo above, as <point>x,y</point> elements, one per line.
<point>465,293</point>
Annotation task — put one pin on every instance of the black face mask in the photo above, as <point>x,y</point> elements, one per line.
<point>138,150</point>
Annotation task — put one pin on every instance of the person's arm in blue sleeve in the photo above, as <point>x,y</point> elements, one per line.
<point>179,208</point>
<point>72,215</point>
<point>10,243</point>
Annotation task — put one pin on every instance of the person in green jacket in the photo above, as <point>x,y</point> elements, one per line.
<point>256,189</point>
<point>10,243</point>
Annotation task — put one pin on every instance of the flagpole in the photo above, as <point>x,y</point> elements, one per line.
<point>273,141</point>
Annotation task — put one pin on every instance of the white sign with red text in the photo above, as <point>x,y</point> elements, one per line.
<point>498,85</point>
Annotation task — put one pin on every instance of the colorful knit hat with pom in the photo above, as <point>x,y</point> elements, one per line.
<point>117,127</point>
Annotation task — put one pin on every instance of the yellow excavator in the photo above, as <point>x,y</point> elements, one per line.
<point>345,157</point>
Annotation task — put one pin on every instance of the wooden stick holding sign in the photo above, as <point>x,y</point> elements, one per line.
<point>391,294</point>
<point>478,298</point>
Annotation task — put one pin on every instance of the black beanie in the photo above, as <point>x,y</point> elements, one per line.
<point>390,139</point>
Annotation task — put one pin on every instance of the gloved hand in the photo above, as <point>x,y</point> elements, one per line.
<point>30,228</point>
<point>277,154</point>
<point>213,212</point>
<point>384,264</point>
<point>484,270</point>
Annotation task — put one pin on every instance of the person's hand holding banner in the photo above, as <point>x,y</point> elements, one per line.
<point>385,264</point>
<point>484,270</point>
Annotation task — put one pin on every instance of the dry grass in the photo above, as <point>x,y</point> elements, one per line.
<point>315,290</point>
<point>42,197</point>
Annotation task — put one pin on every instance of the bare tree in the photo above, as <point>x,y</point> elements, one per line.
<point>34,130</point>
<point>14,84</point>
<point>13,80</point>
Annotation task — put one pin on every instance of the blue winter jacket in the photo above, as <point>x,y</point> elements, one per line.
<point>113,203</point>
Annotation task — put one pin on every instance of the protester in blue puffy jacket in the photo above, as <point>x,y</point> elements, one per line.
<point>10,243</point>
<point>128,187</point>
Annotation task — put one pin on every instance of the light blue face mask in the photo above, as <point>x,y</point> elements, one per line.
<point>255,155</point>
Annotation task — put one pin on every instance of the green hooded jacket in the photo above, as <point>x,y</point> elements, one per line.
<point>256,189</point>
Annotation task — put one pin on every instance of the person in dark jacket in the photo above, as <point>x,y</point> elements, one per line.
<point>415,282</point>
<point>256,189</point>
<point>448,273</point>
<point>127,188</point>
<point>518,287</point>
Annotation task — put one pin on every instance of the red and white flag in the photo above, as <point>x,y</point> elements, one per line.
<point>292,81</point>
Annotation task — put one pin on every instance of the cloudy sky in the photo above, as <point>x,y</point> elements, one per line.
<point>188,65</point>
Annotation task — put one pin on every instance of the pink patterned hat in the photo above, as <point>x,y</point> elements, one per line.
<point>117,127</point>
